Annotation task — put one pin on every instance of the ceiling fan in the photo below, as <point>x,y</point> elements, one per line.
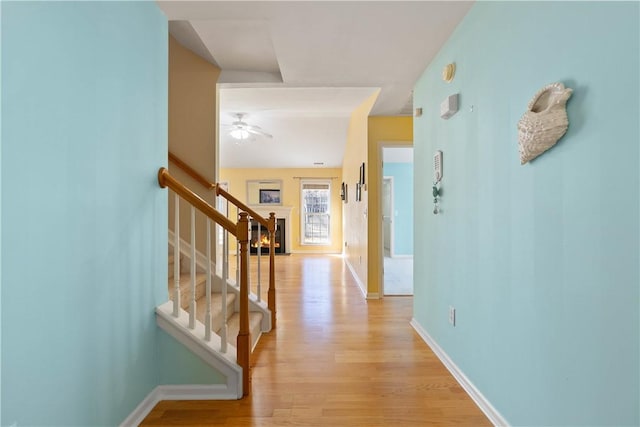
<point>241,130</point>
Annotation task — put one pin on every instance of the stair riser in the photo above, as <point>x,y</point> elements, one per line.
<point>185,290</point>
<point>216,318</point>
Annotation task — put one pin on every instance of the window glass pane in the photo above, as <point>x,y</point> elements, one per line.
<point>315,209</point>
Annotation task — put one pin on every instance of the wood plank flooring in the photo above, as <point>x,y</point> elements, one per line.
<point>335,359</point>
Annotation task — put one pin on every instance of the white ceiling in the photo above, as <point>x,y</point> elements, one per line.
<point>298,69</point>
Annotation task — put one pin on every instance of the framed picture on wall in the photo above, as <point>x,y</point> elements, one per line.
<point>343,195</point>
<point>269,196</point>
<point>362,174</point>
<point>358,192</point>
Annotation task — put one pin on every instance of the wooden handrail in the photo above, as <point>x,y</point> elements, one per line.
<point>191,172</point>
<point>166,180</point>
<point>222,192</point>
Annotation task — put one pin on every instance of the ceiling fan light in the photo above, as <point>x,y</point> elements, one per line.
<point>239,134</point>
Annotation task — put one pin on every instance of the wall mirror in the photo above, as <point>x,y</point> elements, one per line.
<point>264,192</point>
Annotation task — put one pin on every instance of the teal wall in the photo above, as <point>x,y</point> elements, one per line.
<point>192,370</point>
<point>402,174</point>
<point>541,261</point>
<point>84,243</point>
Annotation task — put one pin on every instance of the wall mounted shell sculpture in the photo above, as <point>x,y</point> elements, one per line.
<point>544,122</point>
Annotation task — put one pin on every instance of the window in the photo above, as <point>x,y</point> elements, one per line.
<point>314,212</point>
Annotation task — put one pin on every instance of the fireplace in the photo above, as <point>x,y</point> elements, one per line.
<point>260,239</point>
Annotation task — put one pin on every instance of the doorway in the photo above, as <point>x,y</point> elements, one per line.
<point>397,220</point>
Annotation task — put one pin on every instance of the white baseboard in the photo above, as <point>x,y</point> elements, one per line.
<point>363,288</point>
<point>356,277</point>
<point>485,406</point>
<point>176,392</point>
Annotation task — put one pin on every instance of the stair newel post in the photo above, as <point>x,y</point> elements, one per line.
<point>192,302</point>
<point>259,253</point>
<point>176,257</point>
<point>244,335</point>
<point>271,296</point>
<point>207,316</point>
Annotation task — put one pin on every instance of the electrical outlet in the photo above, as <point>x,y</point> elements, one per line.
<point>452,315</point>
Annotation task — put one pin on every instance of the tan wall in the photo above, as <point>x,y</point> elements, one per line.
<point>192,127</point>
<point>355,220</point>
<point>392,131</point>
<point>237,180</point>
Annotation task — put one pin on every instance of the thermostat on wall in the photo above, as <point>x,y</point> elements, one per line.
<point>449,106</point>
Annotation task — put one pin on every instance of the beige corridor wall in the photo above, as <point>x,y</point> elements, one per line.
<point>355,221</point>
<point>192,127</point>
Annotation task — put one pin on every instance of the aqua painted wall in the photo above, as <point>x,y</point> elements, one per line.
<point>402,174</point>
<point>541,261</point>
<point>84,242</point>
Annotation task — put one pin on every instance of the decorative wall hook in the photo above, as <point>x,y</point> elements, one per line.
<point>436,194</point>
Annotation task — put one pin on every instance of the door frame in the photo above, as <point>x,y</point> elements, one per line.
<point>379,167</point>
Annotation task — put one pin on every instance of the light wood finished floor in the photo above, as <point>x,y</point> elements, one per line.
<point>335,359</point>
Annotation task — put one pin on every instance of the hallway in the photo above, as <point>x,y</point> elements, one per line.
<point>335,359</point>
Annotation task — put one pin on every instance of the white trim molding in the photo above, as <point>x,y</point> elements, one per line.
<point>174,392</point>
<point>485,406</point>
<point>363,288</point>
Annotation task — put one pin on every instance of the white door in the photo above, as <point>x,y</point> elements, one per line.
<point>387,218</point>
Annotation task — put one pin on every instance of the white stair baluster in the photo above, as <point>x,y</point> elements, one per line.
<point>225,249</point>
<point>249,258</point>
<point>237,263</point>
<point>223,291</point>
<point>207,316</point>
<point>176,258</point>
<point>259,249</point>
<point>192,304</point>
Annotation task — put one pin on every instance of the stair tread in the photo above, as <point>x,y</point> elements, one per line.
<point>216,306</point>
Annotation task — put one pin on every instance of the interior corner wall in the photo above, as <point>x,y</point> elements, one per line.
<point>540,261</point>
<point>237,179</point>
<point>354,213</point>
<point>393,131</point>
<point>84,130</point>
<point>192,129</point>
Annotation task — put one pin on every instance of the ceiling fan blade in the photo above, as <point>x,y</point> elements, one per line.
<point>257,131</point>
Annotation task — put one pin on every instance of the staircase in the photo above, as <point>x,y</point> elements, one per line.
<point>258,321</point>
<point>218,319</point>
